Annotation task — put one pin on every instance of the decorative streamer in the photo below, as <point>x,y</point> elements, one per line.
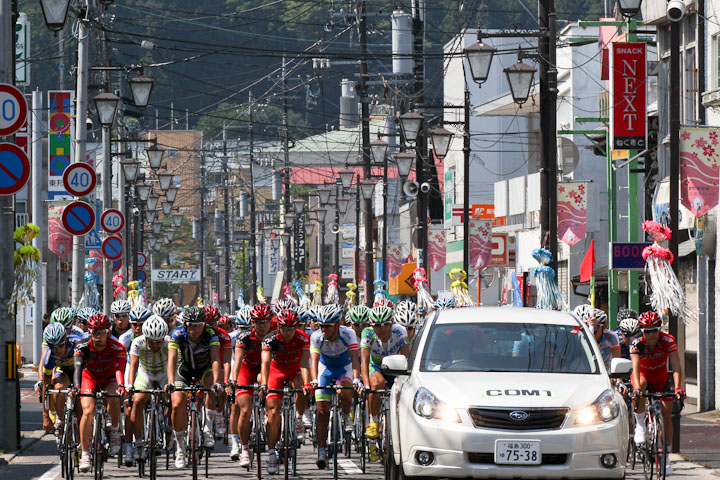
<point>332,295</point>
<point>380,292</point>
<point>317,294</point>
<point>90,297</point>
<point>459,288</point>
<point>26,261</point>
<point>303,298</point>
<point>240,299</point>
<point>287,291</point>
<point>260,297</point>
<point>425,300</point>
<point>120,292</point>
<point>549,296</point>
<point>350,296</point>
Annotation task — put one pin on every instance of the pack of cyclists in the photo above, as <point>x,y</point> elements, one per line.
<point>267,347</point>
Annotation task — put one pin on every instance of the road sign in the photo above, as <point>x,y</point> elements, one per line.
<point>141,276</point>
<point>141,260</point>
<point>499,253</point>
<point>78,218</point>
<point>79,179</point>
<point>117,264</point>
<point>112,248</point>
<point>13,109</point>
<point>14,169</point>
<point>112,220</point>
<point>627,256</point>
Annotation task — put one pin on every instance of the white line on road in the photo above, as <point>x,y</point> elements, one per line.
<point>51,474</point>
<point>347,465</point>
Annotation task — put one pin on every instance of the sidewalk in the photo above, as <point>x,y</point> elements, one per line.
<point>700,439</point>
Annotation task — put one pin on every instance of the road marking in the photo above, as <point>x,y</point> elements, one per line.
<point>349,466</point>
<point>50,474</point>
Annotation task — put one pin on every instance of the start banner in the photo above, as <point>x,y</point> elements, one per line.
<point>176,276</point>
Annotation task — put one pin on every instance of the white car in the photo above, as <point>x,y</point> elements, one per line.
<point>505,393</point>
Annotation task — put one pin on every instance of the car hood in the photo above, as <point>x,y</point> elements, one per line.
<point>506,389</point>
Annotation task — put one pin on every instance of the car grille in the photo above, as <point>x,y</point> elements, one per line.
<point>537,418</point>
<point>489,458</point>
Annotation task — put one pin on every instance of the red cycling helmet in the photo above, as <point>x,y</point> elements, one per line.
<point>649,320</point>
<point>383,302</point>
<point>261,311</point>
<point>287,317</point>
<point>99,321</point>
<point>212,314</point>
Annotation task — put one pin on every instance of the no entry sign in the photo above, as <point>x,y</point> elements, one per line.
<point>78,218</point>
<point>13,109</point>
<point>79,179</point>
<point>14,169</point>
<point>112,220</point>
<point>112,248</point>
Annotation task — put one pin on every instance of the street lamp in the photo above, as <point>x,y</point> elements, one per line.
<point>275,243</point>
<point>166,239</point>
<point>629,8</point>
<point>170,235</point>
<point>320,213</point>
<point>177,219</point>
<point>299,205</point>
<point>324,194</point>
<point>165,180</point>
<point>156,228</point>
<point>152,202</point>
<point>289,220</point>
<point>167,207</point>
<point>479,57</point>
<point>155,156</point>
<point>404,163</point>
<point>410,124</point>
<point>309,227</point>
<point>55,13</point>
<point>379,149</point>
<point>346,177</point>
<point>106,106</point>
<point>441,138</point>
<point>171,194</point>
<point>520,77</point>
<point>141,86</point>
<point>151,242</point>
<point>150,215</point>
<point>143,190</point>
<point>285,237</point>
<point>368,188</point>
<point>130,169</point>
<point>342,205</point>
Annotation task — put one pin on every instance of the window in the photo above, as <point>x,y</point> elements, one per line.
<point>690,28</point>
<point>689,86</point>
<point>715,62</point>
<point>664,39</point>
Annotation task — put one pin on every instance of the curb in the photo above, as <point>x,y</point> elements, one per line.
<point>30,439</point>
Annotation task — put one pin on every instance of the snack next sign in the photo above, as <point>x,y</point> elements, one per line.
<point>628,90</point>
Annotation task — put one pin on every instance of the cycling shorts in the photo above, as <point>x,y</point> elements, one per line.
<point>246,376</point>
<point>657,382</point>
<point>144,381</point>
<point>389,379</point>
<point>184,377</point>
<point>64,374</point>
<point>277,379</point>
<point>93,385</point>
<point>329,376</point>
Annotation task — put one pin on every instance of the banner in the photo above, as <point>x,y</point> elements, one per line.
<point>59,240</point>
<point>436,249</point>
<point>22,50</point>
<point>97,267</point>
<point>628,104</point>
<point>176,276</point>
<point>699,171</point>
<point>480,242</point>
<point>394,260</point>
<point>361,266</point>
<point>299,244</point>
<point>273,255</point>
<point>571,211</point>
<point>60,147</point>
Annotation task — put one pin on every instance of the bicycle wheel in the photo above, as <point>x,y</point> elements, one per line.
<point>193,442</point>
<point>335,436</point>
<point>362,436</point>
<point>646,450</point>
<point>286,429</point>
<point>257,427</point>
<point>152,443</point>
<point>97,446</point>
<point>69,445</point>
<point>658,449</point>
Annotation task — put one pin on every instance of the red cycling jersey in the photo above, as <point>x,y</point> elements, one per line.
<point>95,369</point>
<point>653,361</point>
<point>286,360</point>
<point>225,340</point>
<point>250,367</point>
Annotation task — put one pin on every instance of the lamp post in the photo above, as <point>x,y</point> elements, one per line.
<point>155,156</point>
<point>141,87</point>
<point>379,149</point>
<point>55,13</point>
<point>130,168</point>
<point>411,124</point>
<point>321,213</point>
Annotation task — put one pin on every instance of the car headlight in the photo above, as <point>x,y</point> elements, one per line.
<point>604,409</point>
<point>427,405</point>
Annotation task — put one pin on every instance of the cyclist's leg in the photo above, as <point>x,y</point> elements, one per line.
<point>346,396</point>
<point>206,379</point>
<point>377,382</point>
<point>87,404</point>
<point>300,400</point>
<point>274,404</point>
<point>113,403</point>
<point>639,406</point>
<point>60,381</point>
<point>244,404</point>
<point>323,400</point>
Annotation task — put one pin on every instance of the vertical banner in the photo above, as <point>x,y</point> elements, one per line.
<point>628,90</point>
<point>273,255</point>
<point>480,242</point>
<point>59,240</point>
<point>60,147</point>
<point>436,249</point>
<point>299,245</point>
<point>699,171</point>
<point>394,259</point>
<point>571,211</point>
<point>360,267</point>
<point>22,50</point>
<point>449,196</point>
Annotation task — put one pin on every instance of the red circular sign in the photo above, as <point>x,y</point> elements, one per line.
<point>117,263</point>
<point>14,169</point>
<point>112,220</point>
<point>112,248</point>
<point>141,260</point>
<point>13,109</point>
<point>79,179</point>
<point>78,218</point>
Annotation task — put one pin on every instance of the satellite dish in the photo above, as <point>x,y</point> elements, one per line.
<point>567,155</point>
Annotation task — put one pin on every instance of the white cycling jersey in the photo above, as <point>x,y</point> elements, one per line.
<point>152,363</point>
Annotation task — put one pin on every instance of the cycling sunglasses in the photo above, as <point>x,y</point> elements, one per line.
<point>98,332</point>
<point>194,324</point>
<point>651,330</point>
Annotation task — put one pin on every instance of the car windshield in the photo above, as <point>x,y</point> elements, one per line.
<point>508,347</point>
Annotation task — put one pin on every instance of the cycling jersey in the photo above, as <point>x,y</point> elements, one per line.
<point>53,364</point>
<point>126,339</point>
<point>94,370</point>
<point>608,343</point>
<point>286,358</point>
<point>194,356</point>
<point>380,350</point>
<point>334,353</point>
<point>653,362</point>
<point>624,348</point>
<point>117,333</point>
<point>154,363</point>
<point>224,339</point>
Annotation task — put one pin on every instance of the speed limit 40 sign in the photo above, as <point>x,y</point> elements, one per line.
<point>13,109</point>
<point>112,220</point>
<point>79,179</point>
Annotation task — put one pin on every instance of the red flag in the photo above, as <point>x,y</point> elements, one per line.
<point>586,267</point>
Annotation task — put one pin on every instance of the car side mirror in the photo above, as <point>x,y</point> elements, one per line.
<point>395,365</point>
<point>620,368</point>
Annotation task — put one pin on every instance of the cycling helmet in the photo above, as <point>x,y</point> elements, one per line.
<point>139,314</point>
<point>329,314</point>
<point>303,314</point>
<point>313,313</point>
<point>261,311</point>
<point>600,316</point>
<point>628,322</point>
<point>584,312</point>
<point>649,320</point>
<point>212,314</point>
<point>99,321</point>
<point>383,302</point>
<point>63,316</point>
<point>119,307</point>
<point>444,303</point>
<point>287,318</point>
<point>164,307</point>
<point>155,328</point>
<point>406,314</point>
<point>194,315</point>
<point>358,314</point>
<point>225,320</point>
<point>242,318</point>
<point>284,303</point>
<point>83,314</point>
<point>380,315</point>
<point>54,334</point>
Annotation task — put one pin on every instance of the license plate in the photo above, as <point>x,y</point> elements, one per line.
<point>514,452</point>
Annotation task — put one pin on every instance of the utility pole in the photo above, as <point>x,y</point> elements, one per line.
<point>107,176</point>
<point>253,220</point>
<point>37,207</point>
<point>286,153</point>
<point>365,127</point>
<point>466,189</point>
<point>421,149</point>
<point>202,224</point>
<point>228,300</point>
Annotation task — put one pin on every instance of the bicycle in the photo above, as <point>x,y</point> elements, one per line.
<point>653,452</point>
<point>258,441</point>
<point>155,433</point>
<point>67,441</point>
<point>289,440</point>
<point>99,446</point>
<point>382,441</point>
<point>340,442</point>
<point>359,438</point>
<point>196,393</point>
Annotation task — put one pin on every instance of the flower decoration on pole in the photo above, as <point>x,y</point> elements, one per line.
<point>380,292</point>
<point>350,296</point>
<point>549,296</point>
<point>317,294</point>
<point>261,299</point>
<point>332,295</point>
<point>425,300</point>
<point>90,296</point>
<point>27,259</point>
<point>667,294</point>
<point>240,301</point>
<point>120,292</point>
<point>133,293</point>
<point>287,291</point>
<point>303,298</point>
<point>459,288</point>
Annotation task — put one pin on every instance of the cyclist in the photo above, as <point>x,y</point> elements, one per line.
<point>57,367</point>
<point>246,369</point>
<point>650,353</point>
<point>383,338</point>
<point>406,314</point>
<point>99,366</point>
<point>166,308</point>
<point>606,339</point>
<point>193,353</point>
<point>212,318</point>
<point>358,319</point>
<point>333,360</point>
<point>148,360</point>
<point>82,317</point>
<point>284,353</point>
<point>120,310</point>
<point>628,330</point>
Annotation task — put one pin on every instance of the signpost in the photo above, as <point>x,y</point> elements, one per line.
<point>112,220</point>
<point>79,179</point>
<point>78,218</point>
<point>13,109</point>
<point>627,255</point>
<point>14,169</point>
<point>112,248</point>
<point>499,253</point>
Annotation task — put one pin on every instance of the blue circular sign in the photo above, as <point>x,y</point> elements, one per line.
<point>14,169</point>
<point>117,264</point>
<point>141,276</point>
<point>78,218</point>
<point>112,248</point>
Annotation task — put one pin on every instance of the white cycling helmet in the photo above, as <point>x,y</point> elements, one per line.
<point>584,312</point>
<point>406,314</point>
<point>164,307</point>
<point>120,306</point>
<point>155,328</point>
